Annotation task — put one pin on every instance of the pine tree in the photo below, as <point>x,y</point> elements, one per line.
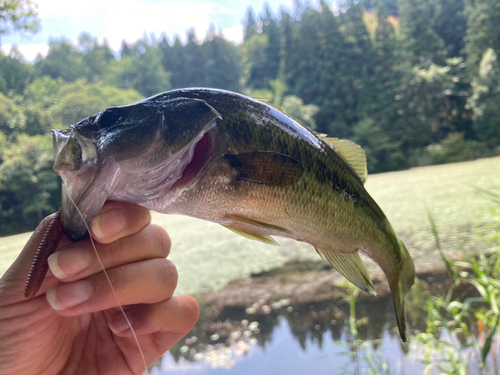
<point>334,82</point>
<point>286,47</point>
<point>63,60</point>
<point>485,100</point>
<point>177,64</point>
<point>483,31</point>
<point>360,52</point>
<point>125,50</point>
<point>419,40</point>
<point>270,28</point>
<point>194,60</point>
<point>221,66</point>
<point>250,25</point>
<point>451,24</point>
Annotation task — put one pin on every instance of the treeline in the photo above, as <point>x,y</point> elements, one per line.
<point>412,81</point>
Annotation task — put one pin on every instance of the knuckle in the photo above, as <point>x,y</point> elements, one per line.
<point>119,279</point>
<point>168,273</point>
<point>161,240</point>
<point>191,312</point>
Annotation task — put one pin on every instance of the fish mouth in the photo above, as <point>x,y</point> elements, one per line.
<point>202,151</point>
<point>85,189</point>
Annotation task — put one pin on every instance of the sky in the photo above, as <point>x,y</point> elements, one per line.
<point>129,20</point>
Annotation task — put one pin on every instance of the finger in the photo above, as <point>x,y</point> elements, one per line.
<point>79,260</point>
<point>117,220</point>
<point>149,281</point>
<point>175,315</point>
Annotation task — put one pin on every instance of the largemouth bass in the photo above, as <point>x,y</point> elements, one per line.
<point>236,161</point>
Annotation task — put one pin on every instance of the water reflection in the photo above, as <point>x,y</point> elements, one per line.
<point>295,338</point>
<point>222,342</point>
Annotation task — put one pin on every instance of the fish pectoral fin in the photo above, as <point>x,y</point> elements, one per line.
<point>252,235</point>
<point>265,167</point>
<point>351,267</point>
<point>352,153</point>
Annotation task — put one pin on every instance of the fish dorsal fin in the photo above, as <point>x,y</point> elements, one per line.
<point>263,100</point>
<point>352,153</point>
<point>270,104</point>
<point>252,235</point>
<point>265,167</point>
<point>351,267</point>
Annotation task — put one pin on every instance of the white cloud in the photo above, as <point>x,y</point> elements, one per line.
<point>29,51</point>
<point>234,34</point>
<point>74,9</point>
<point>131,21</point>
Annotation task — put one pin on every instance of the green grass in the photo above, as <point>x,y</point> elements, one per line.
<point>208,255</point>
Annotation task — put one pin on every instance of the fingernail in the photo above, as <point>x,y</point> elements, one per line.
<point>68,263</point>
<point>119,324</point>
<point>68,295</point>
<point>108,223</point>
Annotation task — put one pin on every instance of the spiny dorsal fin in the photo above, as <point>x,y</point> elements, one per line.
<point>268,102</point>
<point>351,267</point>
<point>253,236</point>
<point>352,153</point>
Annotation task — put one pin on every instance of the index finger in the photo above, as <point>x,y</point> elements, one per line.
<point>117,220</point>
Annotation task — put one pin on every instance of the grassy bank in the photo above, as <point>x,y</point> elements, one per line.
<point>208,255</point>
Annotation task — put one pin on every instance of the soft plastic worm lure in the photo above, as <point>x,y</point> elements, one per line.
<point>40,264</point>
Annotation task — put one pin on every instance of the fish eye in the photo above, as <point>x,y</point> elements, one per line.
<point>109,118</point>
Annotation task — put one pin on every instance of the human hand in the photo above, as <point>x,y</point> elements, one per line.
<point>74,325</point>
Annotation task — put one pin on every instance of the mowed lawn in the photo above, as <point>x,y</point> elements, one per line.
<point>208,256</point>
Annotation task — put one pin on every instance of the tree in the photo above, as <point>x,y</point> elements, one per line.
<point>419,40</point>
<point>142,71</point>
<point>176,63</point>
<point>195,60</point>
<point>483,31</point>
<point>18,15</point>
<point>221,66</point>
<point>272,52</point>
<point>29,189</point>
<point>63,60</point>
<point>80,99</point>
<point>11,120</point>
<point>250,25</point>
<point>253,57</point>
<point>95,57</point>
<point>450,24</point>
<point>15,73</point>
<point>485,100</point>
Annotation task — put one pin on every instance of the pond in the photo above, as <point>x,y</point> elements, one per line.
<point>340,335</point>
<point>286,339</point>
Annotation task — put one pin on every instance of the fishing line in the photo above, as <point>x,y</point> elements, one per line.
<point>110,284</point>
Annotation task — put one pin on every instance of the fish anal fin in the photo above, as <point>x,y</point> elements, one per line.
<point>351,267</point>
<point>352,153</point>
<point>265,167</point>
<point>252,235</point>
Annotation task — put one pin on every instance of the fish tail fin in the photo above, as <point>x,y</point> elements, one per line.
<point>400,284</point>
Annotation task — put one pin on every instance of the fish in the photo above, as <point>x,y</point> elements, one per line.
<point>239,162</point>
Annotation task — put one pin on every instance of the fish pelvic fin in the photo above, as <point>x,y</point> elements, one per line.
<point>400,285</point>
<point>253,235</point>
<point>351,267</point>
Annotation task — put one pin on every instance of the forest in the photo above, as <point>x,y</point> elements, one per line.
<point>414,82</point>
